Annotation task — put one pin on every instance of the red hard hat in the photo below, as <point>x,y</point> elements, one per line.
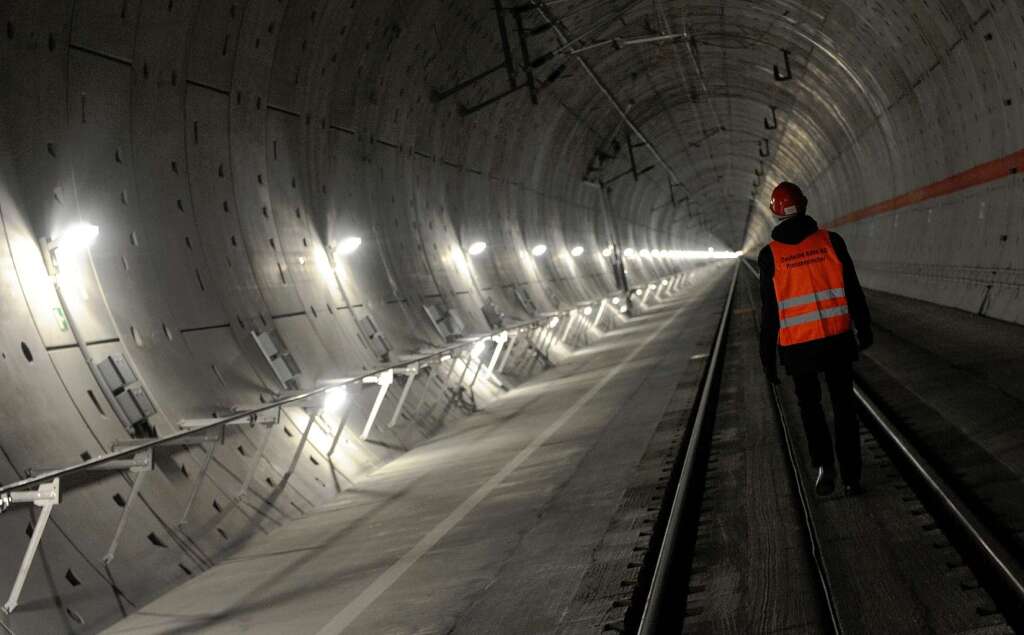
<point>788,200</point>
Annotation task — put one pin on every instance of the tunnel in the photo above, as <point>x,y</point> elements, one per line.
<point>425,316</point>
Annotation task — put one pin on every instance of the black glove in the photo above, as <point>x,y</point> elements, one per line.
<point>865,339</point>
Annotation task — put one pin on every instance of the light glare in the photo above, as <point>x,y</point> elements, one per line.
<point>334,400</point>
<point>628,252</point>
<point>77,237</point>
<point>478,349</point>
<point>607,252</point>
<point>576,251</point>
<point>477,248</point>
<point>710,255</point>
<point>539,250</point>
<point>348,245</point>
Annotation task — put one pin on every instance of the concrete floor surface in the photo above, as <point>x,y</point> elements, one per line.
<point>487,528</point>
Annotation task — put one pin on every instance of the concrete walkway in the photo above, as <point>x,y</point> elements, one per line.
<point>491,527</point>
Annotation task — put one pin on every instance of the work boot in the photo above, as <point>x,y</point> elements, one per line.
<point>825,484</point>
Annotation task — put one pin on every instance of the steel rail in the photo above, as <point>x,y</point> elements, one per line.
<point>810,528</point>
<point>1000,562</point>
<point>131,451</point>
<point>658,595</point>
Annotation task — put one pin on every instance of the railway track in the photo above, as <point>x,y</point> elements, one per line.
<point>957,572</point>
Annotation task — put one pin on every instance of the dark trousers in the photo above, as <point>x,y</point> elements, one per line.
<point>819,442</point>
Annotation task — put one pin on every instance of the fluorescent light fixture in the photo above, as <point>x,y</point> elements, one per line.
<point>539,250</point>
<point>616,300</point>
<point>628,252</point>
<point>76,237</point>
<point>607,252</point>
<point>710,255</point>
<point>477,248</point>
<point>334,400</point>
<point>645,253</point>
<point>348,245</point>
<point>553,323</point>
<point>587,311</point>
<point>576,251</point>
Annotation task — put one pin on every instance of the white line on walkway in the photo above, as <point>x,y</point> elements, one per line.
<point>344,619</point>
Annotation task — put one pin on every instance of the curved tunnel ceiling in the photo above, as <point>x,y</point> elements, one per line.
<point>225,147</point>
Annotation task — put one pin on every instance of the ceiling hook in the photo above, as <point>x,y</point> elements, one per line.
<point>779,77</point>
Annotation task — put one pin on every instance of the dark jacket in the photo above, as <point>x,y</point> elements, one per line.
<point>814,356</point>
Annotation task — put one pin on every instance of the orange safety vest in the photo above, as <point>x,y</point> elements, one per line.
<point>809,289</point>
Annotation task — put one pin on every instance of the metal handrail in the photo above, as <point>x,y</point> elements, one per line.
<point>129,452</point>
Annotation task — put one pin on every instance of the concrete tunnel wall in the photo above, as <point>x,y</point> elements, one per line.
<point>223,146</point>
<point>888,101</point>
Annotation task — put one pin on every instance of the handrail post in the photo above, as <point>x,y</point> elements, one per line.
<point>600,311</point>
<point>251,472</point>
<point>144,467</point>
<point>384,381</point>
<point>499,346</point>
<point>410,376</point>
<point>509,347</point>
<point>46,496</point>
<point>337,433</point>
<point>210,447</point>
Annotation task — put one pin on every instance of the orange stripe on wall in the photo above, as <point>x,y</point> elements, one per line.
<point>978,175</point>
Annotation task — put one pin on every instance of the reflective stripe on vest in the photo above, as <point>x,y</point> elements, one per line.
<point>809,289</point>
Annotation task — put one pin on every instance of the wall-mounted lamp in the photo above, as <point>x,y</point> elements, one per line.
<point>539,250</point>
<point>576,251</point>
<point>477,248</point>
<point>607,252</point>
<point>74,239</point>
<point>628,252</point>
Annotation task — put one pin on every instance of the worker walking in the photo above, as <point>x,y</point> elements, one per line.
<point>810,299</point>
